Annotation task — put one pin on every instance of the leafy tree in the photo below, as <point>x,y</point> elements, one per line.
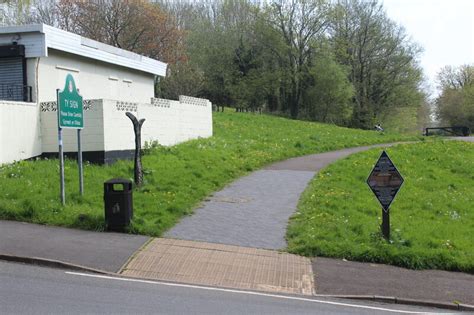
<point>223,46</point>
<point>210,48</point>
<point>299,23</point>
<point>455,105</point>
<point>182,79</point>
<point>382,59</point>
<point>329,94</point>
<point>450,77</point>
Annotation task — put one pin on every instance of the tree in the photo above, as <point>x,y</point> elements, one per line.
<point>224,47</point>
<point>299,23</point>
<point>329,94</point>
<point>182,79</point>
<point>134,25</point>
<point>450,77</point>
<point>455,105</point>
<point>14,12</point>
<point>382,59</point>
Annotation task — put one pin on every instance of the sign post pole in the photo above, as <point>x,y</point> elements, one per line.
<point>61,166</point>
<point>61,155</point>
<point>385,224</point>
<point>79,162</point>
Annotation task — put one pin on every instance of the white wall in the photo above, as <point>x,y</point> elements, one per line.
<point>168,122</point>
<point>107,128</point>
<point>31,76</point>
<point>171,122</point>
<point>19,131</point>
<point>92,136</point>
<point>118,129</point>
<point>95,79</point>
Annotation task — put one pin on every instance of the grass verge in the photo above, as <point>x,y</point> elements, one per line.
<point>176,178</point>
<point>432,218</point>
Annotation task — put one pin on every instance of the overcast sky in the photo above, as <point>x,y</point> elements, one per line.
<point>444,28</point>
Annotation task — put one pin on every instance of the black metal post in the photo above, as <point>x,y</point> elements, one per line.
<point>385,224</point>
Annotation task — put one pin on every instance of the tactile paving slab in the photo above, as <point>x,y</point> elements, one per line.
<point>222,266</point>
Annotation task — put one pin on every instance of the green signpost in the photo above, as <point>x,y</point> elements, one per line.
<point>70,115</point>
<point>70,110</point>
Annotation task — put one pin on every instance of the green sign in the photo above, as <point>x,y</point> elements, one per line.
<point>70,111</point>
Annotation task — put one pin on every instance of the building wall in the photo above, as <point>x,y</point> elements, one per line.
<point>19,131</point>
<point>92,136</point>
<point>31,76</point>
<point>170,122</point>
<point>33,42</point>
<point>167,122</point>
<point>94,79</point>
<point>108,129</point>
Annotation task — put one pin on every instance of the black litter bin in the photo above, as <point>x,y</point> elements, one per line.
<point>118,203</point>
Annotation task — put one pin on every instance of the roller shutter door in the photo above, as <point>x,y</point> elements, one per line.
<point>11,78</point>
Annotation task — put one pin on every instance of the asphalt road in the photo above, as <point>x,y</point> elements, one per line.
<point>26,289</point>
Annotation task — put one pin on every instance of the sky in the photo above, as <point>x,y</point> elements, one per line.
<point>444,28</point>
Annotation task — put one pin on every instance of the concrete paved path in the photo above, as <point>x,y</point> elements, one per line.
<point>468,139</point>
<point>222,266</point>
<point>97,250</point>
<point>254,210</point>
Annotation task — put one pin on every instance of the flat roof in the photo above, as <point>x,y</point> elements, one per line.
<point>39,37</point>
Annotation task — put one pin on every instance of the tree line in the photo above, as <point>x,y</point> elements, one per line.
<point>342,61</point>
<point>455,104</point>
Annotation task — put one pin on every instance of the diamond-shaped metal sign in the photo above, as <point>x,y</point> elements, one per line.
<point>385,180</point>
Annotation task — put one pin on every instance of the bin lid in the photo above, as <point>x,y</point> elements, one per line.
<point>118,181</point>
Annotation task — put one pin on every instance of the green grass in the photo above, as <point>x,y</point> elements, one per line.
<point>176,178</point>
<point>432,218</point>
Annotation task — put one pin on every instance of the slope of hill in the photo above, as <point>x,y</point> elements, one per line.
<point>176,178</point>
<point>431,219</point>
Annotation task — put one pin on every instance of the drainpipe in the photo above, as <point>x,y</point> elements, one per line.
<point>36,80</point>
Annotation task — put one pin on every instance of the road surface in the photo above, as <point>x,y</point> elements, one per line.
<point>26,289</point>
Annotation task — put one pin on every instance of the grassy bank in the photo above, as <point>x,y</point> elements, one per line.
<point>432,218</point>
<point>176,178</point>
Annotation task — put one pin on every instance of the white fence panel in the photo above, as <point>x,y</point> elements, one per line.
<point>19,131</point>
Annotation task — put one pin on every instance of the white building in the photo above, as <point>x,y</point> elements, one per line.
<point>34,62</point>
